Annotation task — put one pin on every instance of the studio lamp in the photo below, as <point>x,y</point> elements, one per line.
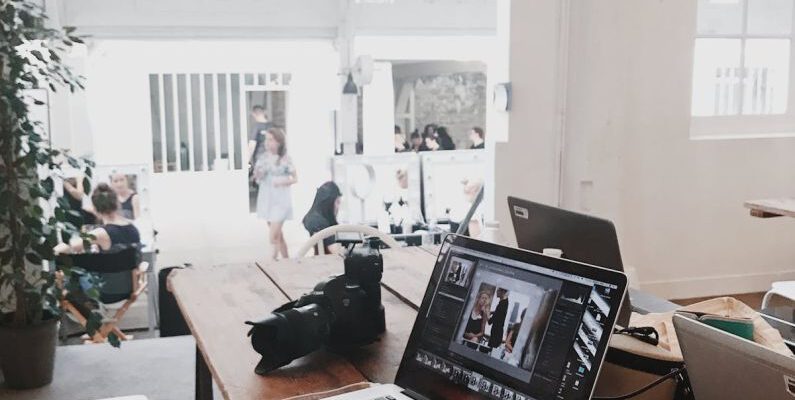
<point>350,87</point>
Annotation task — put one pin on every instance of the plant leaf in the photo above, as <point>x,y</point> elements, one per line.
<point>33,258</point>
<point>86,184</point>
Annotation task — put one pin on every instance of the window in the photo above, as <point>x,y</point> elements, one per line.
<point>200,121</point>
<point>742,61</point>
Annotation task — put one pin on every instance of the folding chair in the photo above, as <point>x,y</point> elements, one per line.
<point>316,240</point>
<point>785,289</point>
<point>124,280</point>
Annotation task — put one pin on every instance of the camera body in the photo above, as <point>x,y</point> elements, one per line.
<point>341,312</point>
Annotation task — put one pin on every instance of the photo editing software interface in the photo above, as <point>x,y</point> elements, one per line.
<point>508,330</point>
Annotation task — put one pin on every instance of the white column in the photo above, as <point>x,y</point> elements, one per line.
<point>526,165</point>
<point>378,112</point>
<point>349,109</point>
<point>497,122</point>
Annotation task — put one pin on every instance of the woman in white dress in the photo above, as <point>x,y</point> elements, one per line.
<point>275,173</point>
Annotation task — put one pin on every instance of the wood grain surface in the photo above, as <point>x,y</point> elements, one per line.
<point>216,301</point>
<point>407,272</point>
<point>769,208</point>
<point>379,361</point>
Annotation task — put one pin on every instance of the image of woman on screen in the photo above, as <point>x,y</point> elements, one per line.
<point>275,173</point>
<point>476,325</point>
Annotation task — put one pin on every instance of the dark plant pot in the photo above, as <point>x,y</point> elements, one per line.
<point>27,354</point>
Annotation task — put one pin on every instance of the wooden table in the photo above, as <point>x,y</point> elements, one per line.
<point>770,208</point>
<point>216,300</point>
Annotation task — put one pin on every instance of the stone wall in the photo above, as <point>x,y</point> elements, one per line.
<point>455,100</point>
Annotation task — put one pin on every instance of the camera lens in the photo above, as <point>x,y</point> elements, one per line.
<point>287,335</point>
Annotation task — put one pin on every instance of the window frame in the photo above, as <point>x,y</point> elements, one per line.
<point>202,162</point>
<point>746,125</point>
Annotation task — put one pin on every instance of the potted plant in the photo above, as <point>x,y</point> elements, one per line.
<point>30,58</point>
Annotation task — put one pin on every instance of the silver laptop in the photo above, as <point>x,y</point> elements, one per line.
<point>508,324</point>
<point>722,366</point>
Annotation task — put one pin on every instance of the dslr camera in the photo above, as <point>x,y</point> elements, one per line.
<point>340,313</point>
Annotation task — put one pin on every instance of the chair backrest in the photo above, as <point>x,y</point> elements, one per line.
<point>115,267</point>
<point>318,237</point>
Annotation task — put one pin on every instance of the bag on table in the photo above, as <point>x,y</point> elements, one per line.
<point>632,363</point>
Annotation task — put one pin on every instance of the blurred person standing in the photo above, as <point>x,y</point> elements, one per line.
<point>256,136</point>
<point>444,139</point>
<point>275,173</point>
<point>429,138</point>
<point>400,141</point>
<point>417,142</point>
<point>440,140</point>
<point>429,130</point>
<point>478,137</point>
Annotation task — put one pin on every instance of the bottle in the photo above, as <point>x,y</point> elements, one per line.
<point>491,233</point>
<point>384,222</point>
<point>407,226</point>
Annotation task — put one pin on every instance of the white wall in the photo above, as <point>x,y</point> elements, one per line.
<point>427,18</point>
<point>677,202</point>
<point>690,193</point>
<point>378,112</point>
<point>274,18</point>
<point>209,18</point>
<point>526,164</point>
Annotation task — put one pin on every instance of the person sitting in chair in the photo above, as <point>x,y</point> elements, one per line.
<point>115,230</point>
<point>323,214</point>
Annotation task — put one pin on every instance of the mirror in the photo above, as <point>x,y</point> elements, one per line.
<point>449,94</point>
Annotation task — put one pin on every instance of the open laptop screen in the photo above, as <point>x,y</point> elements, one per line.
<point>506,324</point>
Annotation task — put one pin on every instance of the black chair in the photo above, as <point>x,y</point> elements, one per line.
<point>124,280</point>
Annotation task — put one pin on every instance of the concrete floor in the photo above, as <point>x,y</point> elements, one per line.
<point>162,368</point>
<point>158,368</point>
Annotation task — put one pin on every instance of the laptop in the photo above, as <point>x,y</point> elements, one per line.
<point>722,366</point>
<point>507,324</point>
<point>581,237</point>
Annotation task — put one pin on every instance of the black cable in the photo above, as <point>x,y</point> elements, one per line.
<point>645,334</point>
<point>645,388</point>
<point>350,249</point>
